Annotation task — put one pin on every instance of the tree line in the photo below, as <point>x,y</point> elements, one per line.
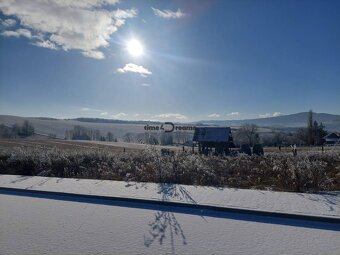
<point>311,135</point>
<point>17,130</point>
<point>83,133</point>
<point>159,138</point>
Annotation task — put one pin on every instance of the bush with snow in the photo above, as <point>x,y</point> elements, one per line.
<point>306,172</point>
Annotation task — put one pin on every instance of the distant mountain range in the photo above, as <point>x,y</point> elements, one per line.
<point>58,127</point>
<point>297,120</point>
<point>101,120</point>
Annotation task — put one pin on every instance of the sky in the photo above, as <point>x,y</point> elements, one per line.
<point>169,60</point>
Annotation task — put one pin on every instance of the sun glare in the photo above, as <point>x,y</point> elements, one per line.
<point>135,48</point>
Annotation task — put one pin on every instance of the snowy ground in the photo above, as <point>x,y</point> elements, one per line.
<point>325,205</point>
<point>46,223</point>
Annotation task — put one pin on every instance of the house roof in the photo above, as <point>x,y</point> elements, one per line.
<point>212,134</point>
<point>331,136</point>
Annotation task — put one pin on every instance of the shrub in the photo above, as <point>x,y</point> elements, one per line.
<point>245,148</point>
<point>258,150</point>
<point>307,172</point>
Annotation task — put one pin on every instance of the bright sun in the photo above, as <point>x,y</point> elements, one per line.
<point>135,48</point>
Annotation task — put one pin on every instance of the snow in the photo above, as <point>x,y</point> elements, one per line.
<point>45,225</point>
<point>325,205</point>
<point>52,223</point>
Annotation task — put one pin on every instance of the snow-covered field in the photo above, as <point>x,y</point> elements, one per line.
<point>51,223</point>
<point>324,204</point>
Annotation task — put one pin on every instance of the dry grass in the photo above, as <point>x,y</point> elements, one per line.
<point>62,145</point>
<point>76,145</point>
<point>308,171</point>
<point>302,149</point>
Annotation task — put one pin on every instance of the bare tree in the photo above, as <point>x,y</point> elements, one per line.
<point>181,137</point>
<point>80,133</point>
<point>109,136</point>
<point>16,130</point>
<point>166,139</point>
<point>27,129</point>
<point>5,132</point>
<point>96,135</point>
<point>279,138</point>
<point>129,137</point>
<point>310,135</point>
<point>247,133</point>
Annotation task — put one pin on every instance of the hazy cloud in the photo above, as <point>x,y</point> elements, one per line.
<point>80,25</point>
<point>8,22</point>
<point>103,113</point>
<point>265,115</point>
<point>86,109</point>
<point>119,115</point>
<point>145,85</point>
<point>170,116</point>
<point>18,33</point>
<point>276,114</point>
<point>86,3</point>
<point>214,115</point>
<point>168,14</point>
<point>134,69</point>
<point>94,54</point>
<point>46,44</point>
<point>233,114</point>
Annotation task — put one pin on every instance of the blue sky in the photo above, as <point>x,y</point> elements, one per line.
<point>201,60</point>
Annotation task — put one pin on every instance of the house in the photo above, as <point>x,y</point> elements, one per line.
<point>217,140</point>
<point>332,138</point>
